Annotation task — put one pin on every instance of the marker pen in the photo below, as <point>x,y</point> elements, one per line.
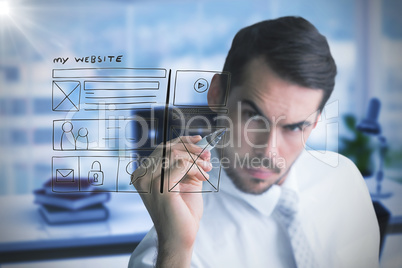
<point>211,140</point>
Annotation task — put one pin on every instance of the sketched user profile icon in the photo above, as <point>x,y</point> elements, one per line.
<point>134,165</point>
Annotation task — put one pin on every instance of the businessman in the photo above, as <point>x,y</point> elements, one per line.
<point>279,205</point>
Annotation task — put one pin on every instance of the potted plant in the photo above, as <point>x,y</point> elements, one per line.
<point>357,147</point>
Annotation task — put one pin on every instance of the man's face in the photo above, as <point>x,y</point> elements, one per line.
<point>271,120</point>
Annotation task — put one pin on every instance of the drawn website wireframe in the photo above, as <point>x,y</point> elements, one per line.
<point>111,119</point>
<point>192,115</point>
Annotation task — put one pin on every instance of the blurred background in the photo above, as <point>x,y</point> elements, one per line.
<point>365,38</point>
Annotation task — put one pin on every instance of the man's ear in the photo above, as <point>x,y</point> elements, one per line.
<point>215,93</point>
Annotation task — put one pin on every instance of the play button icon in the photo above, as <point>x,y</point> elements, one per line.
<point>201,85</point>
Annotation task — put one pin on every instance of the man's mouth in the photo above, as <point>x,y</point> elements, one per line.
<point>261,173</point>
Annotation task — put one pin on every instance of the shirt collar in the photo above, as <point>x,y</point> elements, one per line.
<point>264,203</point>
<point>291,180</point>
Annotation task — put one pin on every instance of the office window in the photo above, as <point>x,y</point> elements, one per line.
<point>19,137</point>
<point>42,172</point>
<point>387,81</point>
<point>42,106</point>
<point>3,106</point>
<point>391,18</point>
<point>3,179</point>
<point>3,136</point>
<point>21,178</point>
<point>18,106</point>
<point>11,73</point>
<point>43,136</point>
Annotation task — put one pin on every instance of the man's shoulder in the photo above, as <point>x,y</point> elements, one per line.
<point>337,207</point>
<point>315,167</point>
<point>324,161</point>
<point>331,183</point>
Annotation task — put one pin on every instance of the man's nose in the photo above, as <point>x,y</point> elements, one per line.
<point>268,143</point>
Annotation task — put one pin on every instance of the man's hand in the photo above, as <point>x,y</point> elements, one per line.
<point>176,215</point>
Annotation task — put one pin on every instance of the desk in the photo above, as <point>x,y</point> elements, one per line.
<point>393,203</point>
<point>24,235</point>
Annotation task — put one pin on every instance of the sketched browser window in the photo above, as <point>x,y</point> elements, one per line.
<point>110,118</point>
<point>113,118</point>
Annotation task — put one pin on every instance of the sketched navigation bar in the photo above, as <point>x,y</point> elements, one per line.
<point>110,72</point>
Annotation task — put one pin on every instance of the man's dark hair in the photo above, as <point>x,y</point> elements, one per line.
<point>292,47</point>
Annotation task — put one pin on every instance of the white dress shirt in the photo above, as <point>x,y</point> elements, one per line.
<point>238,229</point>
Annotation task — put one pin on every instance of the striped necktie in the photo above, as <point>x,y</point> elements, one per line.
<point>286,213</point>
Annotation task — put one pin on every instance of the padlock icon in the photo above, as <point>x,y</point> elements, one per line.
<point>95,175</point>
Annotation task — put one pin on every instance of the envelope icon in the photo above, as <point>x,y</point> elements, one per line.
<point>65,175</point>
<point>66,96</point>
<point>211,184</point>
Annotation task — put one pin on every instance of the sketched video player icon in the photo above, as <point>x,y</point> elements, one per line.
<point>201,85</point>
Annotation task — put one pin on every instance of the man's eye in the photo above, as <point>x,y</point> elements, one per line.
<point>294,128</point>
<point>249,114</point>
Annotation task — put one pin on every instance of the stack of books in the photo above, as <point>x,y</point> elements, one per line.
<point>57,207</point>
